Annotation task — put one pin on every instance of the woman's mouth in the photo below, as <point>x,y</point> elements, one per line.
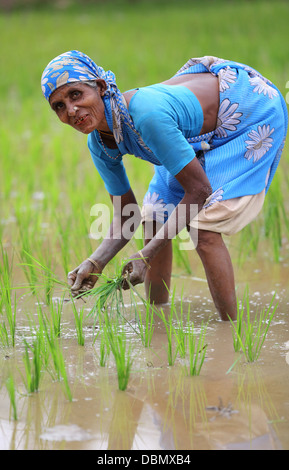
<point>80,120</point>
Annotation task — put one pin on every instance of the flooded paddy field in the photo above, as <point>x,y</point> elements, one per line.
<point>48,188</point>
<point>231,404</point>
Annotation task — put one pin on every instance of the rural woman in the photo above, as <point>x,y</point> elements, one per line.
<point>214,133</point>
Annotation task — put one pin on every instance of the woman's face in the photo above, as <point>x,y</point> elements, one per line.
<point>81,106</point>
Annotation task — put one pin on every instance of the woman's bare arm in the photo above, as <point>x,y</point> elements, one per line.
<point>197,189</point>
<point>84,276</point>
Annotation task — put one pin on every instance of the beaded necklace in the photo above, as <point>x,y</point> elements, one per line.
<point>103,146</point>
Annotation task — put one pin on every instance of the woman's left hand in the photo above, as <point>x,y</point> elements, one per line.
<point>135,271</point>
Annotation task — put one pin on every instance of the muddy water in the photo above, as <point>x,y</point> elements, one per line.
<point>163,408</point>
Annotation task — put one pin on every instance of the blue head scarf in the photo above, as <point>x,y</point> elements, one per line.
<point>72,66</point>
<point>75,66</point>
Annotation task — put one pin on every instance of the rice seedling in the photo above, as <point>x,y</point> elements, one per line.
<point>249,336</point>
<point>10,386</point>
<point>146,326</point>
<point>197,348</point>
<point>46,274</point>
<point>51,350</point>
<point>78,321</point>
<point>55,311</point>
<point>33,366</point>
<point>186,339</point>
<point>59,364</point>
<point>8,337</point>
<point>180,331</point>
<point>274,209</point>
<point>177,332</point>
<point>5,275</point>
<point>29,270</point>
<point>39,331</point>
<point>181,337</point>
<point>238,331</point>
<point>45,260</point>
<point>7,305</point>
<point>121,349</point>
<point>51,321</point>
<point>4,335</point>
<point>168,323</point>
<point>104,351</point>
<point>1,301</point>
<point>11,319</point>
<point>103,344</point>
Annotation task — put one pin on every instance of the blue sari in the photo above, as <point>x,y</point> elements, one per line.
<point>240,156</point>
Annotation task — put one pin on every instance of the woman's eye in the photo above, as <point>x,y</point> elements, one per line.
<point>75,94</point>
<point>58,106</point>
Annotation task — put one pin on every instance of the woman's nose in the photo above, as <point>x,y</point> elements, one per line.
<point>71,110</point>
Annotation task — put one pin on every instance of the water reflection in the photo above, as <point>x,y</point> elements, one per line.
<point>169,411</point>
<point>244,407</point>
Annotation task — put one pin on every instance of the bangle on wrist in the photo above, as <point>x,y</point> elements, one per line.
<point>144,260</point>
<point>95,264</point>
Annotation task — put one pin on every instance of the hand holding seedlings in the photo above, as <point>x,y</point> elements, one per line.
<point>135,270</point>
<point>84,277</point>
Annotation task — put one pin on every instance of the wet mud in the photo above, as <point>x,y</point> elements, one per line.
<point>163,408</point>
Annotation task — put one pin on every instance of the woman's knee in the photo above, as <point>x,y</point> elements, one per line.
<point>208,241</point>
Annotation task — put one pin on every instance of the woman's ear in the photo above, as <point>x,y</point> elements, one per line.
<point>101,85</point>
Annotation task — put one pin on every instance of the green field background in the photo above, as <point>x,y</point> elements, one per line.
<point>48,183</point>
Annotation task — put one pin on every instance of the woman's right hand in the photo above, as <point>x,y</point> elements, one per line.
<point>83,278</point>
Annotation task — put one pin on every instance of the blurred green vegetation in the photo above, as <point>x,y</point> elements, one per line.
<point>142,42</point>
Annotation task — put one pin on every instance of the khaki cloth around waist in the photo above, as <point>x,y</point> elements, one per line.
<point>230,216</point>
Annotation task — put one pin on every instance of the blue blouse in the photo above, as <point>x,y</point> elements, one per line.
<point>165,116</point>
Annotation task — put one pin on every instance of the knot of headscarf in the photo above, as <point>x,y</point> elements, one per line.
<point>75,66</point>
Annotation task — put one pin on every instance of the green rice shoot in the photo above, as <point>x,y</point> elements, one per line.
<point>249,334</point>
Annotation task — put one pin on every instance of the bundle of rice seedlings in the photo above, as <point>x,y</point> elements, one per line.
<point>108,292</point>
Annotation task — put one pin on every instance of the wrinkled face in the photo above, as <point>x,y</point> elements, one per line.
<point>81,106</point>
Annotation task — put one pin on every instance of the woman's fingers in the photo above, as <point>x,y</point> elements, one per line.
<point>81,279</point>
<point>134,271</point>
<point>78,282</point>
<point>126,275</point>
<point>71,277</point>
<point>79,292</point>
